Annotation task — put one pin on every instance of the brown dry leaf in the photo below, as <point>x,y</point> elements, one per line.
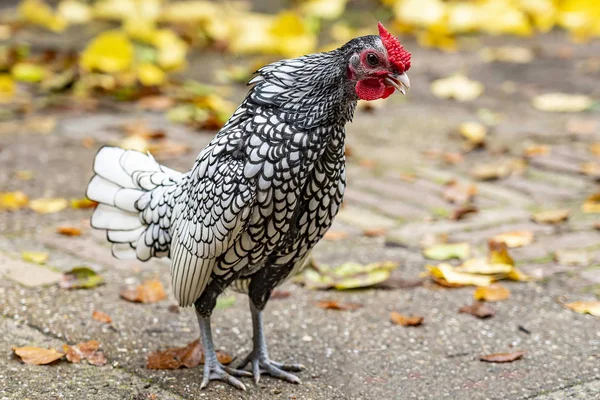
<point>479,310</point>
<point>585,307</point>
<point>37,355</point>
<point>489,172</point>
<point>336,305</point>
<point>591,204</point>
<point>280,294</point>
<point>451,157</point>
<point>502,357</point>
<point>536,150</point>
<point>150,291</point>
<point>88,142</point>
<point>189,356</point>
<point>493,292</point>
<point>334,236</point>
<point>83,203</point>
<point>462,212</point>
<point>85,351</point>
<point>514,238</point>
<point>13,200</point>
<point>68,230</point>
<point>168,148</point>
<point>375,232</point>
<point>403,320</point>
<point>459,193</point>
<point>48,205</point>
<point>101,317</point>
<point>551,216</point>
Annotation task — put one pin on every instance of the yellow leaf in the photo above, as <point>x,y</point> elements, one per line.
<point>135,142</point>
<point>291,36</point>
<point>498,253</point>
<point>536,150</point>
<point>13,200</point>
<point>474,132</point>
<point>39,13</point>
<point>515,238</point>
<point>83,203</point>
<point>591,204</point>
<point>7,88</point>
<point>326,9</point>
<point>458,87</point>
<point>27,72</point>
<point>493,292</point>
<point>172,50</point>
<point>450,275</point>
<point>447,251</point>
<point>110,52</point>
<point>48,205</point>
<point>509,54</point>
<point>189,11</point>
<point>424,13</point>
<point>35,257</point>
<point>562,102</point>
<point>74,11</point>
<point>503,17</point>
<point>585,307</point>
<point>551,216</point>
<point>150,75</point>
<point>484,267</point>
<point>517,275</point>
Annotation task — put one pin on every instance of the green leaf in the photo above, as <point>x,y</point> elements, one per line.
<point>80,278</point>
<point>448,251</point>
<point>225,302</point>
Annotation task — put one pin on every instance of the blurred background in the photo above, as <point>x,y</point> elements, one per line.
<point>493,158</point>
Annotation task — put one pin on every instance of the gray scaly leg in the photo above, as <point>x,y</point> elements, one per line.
<point>259,357</point>
<point>213,369</point>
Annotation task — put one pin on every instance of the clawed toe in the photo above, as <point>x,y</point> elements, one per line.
<point>263,365</point>
<point>218,372</point>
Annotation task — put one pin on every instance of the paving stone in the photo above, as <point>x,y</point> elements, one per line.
<point>393,208</point>
<point>27,274</point>
<point>364,219</point>
<point>538,191</point>
<point>546,246</point>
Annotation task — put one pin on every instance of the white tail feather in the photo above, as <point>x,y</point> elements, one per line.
<point>122,178</point>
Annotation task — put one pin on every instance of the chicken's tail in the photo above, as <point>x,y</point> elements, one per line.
<point>136,197</point>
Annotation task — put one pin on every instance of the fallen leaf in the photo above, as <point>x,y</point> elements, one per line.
<point>110,52</point>
<point>446,273</point>
<point>280,294</point>
<point>498,253</point>
<point>493,292</point>
<point>48,205</point>
<point>562,102</point>
<point>13,200</point>
<point>461,212</point>
<point>74,11</point>
<point>403,320</point>
<point>474,132</point>
<point>577,126</point>
<point>483,267</point>
<point>551,216</point>
<point>167,148</point>
<point>334,236</point>
<point>375,232</point>
<point>83,203</point>
<point>502,357</point>
<point>326,9</point>
<point>27,72</point>
<point>150,75</point>
<point>459,193</point>
<point>345,276</point>
<point>591,204</point>
<point>150,291</point>
<point>514,238</point>
<point>36,257</point>
<point>156,103</point>
<point>489,172</point>
<point>536,150</point>
<point>336,305</point>
<point>68,230</point>
<point>80,278</point>
<point>448,251</point>
<point>37,355</point>
<point>189,356</point>
<point>458,87</point>
<point>508,54</point>
<point>585,307</point>
<point>85,351</point>
<point>101,317</point>
<point>39,13</point>
<point>590,169</point>
<point>479,310</point>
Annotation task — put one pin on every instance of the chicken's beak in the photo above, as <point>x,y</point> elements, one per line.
<point>399,82</point>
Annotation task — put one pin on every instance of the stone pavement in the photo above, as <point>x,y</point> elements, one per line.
<point>396,183</point>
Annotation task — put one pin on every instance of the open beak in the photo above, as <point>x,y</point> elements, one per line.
<point>399,82</point>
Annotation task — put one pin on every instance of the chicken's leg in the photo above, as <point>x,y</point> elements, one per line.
<point>213,369</point>
<point>259,356</point>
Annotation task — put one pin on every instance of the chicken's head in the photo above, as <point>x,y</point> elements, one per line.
<point>377,65</point>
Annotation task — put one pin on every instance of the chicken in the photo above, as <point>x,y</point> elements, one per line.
<point>260,195</point>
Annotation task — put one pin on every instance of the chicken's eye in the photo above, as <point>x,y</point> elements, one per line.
<point>372,60</point>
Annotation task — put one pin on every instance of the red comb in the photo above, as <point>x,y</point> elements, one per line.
<point>396,53</point>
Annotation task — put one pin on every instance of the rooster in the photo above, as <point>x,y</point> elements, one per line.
<point>260,195</point>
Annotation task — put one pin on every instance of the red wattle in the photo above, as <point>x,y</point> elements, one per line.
<point>371,89</point>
